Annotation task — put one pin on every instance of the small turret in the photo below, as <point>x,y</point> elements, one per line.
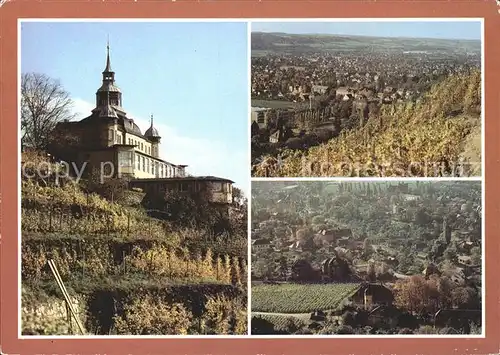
<point>153,135</point>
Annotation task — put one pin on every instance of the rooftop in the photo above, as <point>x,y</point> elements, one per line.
<point>186,178</point>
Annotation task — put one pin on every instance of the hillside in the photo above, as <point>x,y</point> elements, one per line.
<point>281,43</point>
<point>324,252</point>
<point>128,273</point>
<point>430,137</point>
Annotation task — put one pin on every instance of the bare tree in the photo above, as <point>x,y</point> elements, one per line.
<point>239,197</point>
<point>44,103</point>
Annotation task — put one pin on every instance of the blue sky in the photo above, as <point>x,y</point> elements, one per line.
<point>192,76</point>
<point>426,29</point>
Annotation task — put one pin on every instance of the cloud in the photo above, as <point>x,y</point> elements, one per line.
<point>203,156</point>
<point>82,108</point>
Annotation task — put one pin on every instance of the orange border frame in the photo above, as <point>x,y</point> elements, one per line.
<point>11,11</point>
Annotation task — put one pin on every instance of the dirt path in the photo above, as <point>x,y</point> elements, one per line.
<point>302,316</point>
<point>472,150</point>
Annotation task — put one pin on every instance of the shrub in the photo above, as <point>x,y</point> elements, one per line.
<point>153,317</point>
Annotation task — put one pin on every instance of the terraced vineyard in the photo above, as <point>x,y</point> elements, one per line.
<point>407,139</point>
<point>298,298</point>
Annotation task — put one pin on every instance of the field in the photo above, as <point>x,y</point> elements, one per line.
<point>269,43</point>
<point>297,298</point>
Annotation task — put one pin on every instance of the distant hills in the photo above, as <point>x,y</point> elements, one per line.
<point>281,43</point>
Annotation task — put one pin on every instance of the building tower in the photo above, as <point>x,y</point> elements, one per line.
<point>153,135</point>
<point>446,231</point>
<point>109,118</point>
<point>108,90</point>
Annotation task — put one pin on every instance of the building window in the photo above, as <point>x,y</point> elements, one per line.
<point>138,161</point>
<point>217,186</point>
<point>183,187</point>
<point>161,172</point>
<point>107,169</point>
<point>153,168</point>
<point>147,165</point>
<point>142,146</point>
<point>143,164</point>
<point>125,159</point>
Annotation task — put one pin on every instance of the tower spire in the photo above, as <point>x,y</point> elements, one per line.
<point>151,120</point>
<point>108,61</point>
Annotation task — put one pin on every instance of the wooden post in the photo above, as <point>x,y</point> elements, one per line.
<point>151,264</point>
<point>68,316</point>
<point>124,262</point>
<point>83,263</point>
<point>64,291</point>
<point>128,223</point>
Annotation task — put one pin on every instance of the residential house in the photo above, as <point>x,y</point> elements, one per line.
<point>319,89</point>
<point>261,245</point>
<point>261,116</point>
<point>318,316</point>
<point>431,269</point>
<point>465,260</point>
<point>275,137</point>
<point>371,295</point>
<point>408,197</point>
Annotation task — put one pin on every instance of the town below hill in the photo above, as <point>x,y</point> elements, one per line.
<point>320,96</point>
